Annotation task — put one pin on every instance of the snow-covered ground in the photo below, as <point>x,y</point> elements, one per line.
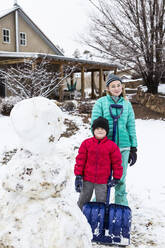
<point>145,180</point>
<point>161,88</point>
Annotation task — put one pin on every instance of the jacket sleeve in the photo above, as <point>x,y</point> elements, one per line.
<point>116,162</point>
<point>131,126</point>
<point>80,160</point>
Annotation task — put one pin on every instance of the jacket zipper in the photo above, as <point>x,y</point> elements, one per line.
<point>117,132</point>
<point>96,161</point>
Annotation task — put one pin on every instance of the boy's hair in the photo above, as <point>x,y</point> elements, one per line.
<point>100,122</point>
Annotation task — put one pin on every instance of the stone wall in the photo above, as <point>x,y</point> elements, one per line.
<point>153,102</point>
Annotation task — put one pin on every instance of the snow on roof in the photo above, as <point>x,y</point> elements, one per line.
<point>17,54</point>
<point>7,11</point>
<point>52,56</point>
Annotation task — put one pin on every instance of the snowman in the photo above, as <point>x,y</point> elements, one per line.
<point>34,211</point>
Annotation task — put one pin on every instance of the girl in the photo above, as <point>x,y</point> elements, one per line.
<point>125,135</point>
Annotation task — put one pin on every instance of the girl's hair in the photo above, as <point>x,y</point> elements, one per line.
<point>123,93</point>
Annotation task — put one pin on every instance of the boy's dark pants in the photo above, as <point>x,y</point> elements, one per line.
<point>87,191</point>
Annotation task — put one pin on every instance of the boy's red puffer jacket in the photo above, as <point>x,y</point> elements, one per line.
<point>94,160</point>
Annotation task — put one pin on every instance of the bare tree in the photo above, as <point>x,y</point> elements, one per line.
<point>131,32</point>
<point>34,79</point>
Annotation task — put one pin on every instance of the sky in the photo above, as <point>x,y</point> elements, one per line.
<point>61,21</point>
<point>145,187</point>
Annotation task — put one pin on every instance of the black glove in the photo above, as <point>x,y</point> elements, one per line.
<point>132,156</point>
<point>113,182</point>
<point>78,183</point>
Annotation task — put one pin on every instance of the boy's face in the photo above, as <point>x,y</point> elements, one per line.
<point>99,133</point>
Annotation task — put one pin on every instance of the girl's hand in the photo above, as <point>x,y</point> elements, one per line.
<point>132,156</point>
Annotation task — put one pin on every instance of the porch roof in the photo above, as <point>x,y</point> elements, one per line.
<point>89,65</point>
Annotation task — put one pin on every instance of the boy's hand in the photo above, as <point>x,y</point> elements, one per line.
<point>78,183</point>
<point>113,182</point>
<point>132,156</point>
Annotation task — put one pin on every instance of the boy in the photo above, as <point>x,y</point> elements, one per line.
<point>93,165</point>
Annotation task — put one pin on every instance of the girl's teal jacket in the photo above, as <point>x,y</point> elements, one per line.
<point>125,134</point>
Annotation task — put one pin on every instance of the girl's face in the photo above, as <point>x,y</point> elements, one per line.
<point>99,133</point>
<point>115,88</point>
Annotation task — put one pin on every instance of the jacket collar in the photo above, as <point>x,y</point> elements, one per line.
<point>110,98</point>
<point>101,141</point>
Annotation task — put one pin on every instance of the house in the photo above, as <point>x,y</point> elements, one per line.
<point>21,39</point>
<point>18,33</point>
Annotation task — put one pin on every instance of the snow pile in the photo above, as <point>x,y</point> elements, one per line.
<point>8,103</point>
<point>36,211</point>
<point>161,88</point>
<point>11,100</point>
<point>49,223</point>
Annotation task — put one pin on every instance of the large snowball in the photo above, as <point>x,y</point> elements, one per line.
<point>34,176</point>
<point>52,223</point>
<point>38,122</point>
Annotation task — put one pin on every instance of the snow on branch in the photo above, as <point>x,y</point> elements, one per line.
<point>35,78</point>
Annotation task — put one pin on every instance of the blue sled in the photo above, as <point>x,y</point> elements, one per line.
<point>110,223</point>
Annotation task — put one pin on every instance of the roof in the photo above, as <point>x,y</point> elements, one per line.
<point>13,57</point>
<point>3,13</point>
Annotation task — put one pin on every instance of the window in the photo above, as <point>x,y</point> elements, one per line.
<point>23,40</point>
<point>6,35</point>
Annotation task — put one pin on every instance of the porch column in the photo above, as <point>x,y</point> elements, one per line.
<point>82,83</point>
<point>92,84</point>
<point>100,81</point>
<point>115,70</point>
<point>61,86</point>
